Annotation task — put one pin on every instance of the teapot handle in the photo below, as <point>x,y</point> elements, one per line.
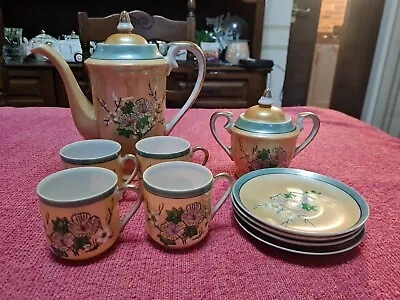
<point>173,50</point>
<point>228,125</point>
<point>313,132</point>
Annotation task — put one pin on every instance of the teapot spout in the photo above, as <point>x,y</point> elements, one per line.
<point>81,108</point>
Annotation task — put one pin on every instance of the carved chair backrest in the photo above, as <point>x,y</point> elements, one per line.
<point>150,27</point>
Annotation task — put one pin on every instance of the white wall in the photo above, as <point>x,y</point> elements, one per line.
<point>382,100</point>
<point>275,41</point>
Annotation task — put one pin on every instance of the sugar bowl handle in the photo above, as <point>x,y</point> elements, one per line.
<point>228,125</point>
<point>313,132</point>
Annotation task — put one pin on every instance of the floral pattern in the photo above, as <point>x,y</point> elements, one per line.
<point>179,224</point>
<point>265,158</point>
<point>292,206</point>
<point>81,233</point>
<point>134,118</point>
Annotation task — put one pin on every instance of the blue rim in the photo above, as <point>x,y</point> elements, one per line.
<point>77,202</point>
<point>270,128</point>
<point>89,161</point>
<point>160,152</point>
<point>126,52</point>
<point>177,194</point>
<point>363,205</point>
<point>163,155</point>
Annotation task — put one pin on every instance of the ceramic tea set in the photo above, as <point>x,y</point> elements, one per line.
<point>126,124</point>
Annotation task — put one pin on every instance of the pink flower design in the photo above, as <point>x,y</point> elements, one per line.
<point>277,157</point>
<point>267,158</point>
<point>103,235</point>
<point>128,121</point>
<point>62,241</point>
<point>195,213</point>
<point>258,164</point>
<point>143,106</point>
<point>84,225</point>
<point>172,231</point>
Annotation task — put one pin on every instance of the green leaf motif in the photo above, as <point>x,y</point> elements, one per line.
<point>174,215</point>
<point>191,231</point>
<point>142,123</point>
<point>166,241</point>
<point>288,195</point>
<point>314,192</point>
<point>81,242</point>
<point>263,154</point>
<point>127,109</point>
<point>124,132</point>
<point>60,225</point>
<point>58,252</point>
<point>308,207</point>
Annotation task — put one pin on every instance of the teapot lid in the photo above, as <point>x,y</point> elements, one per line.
<point>265,118</point>
<point>43,37</point>
<point>126,45</point>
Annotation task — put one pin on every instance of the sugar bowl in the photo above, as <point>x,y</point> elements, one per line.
<point>263,136</point>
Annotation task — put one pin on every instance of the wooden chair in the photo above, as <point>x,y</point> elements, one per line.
<point>3,70</point>
<point>150,27</point>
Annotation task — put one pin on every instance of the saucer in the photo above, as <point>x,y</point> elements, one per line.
<point>306,250</point>
<point>300,202</point>
<point>294,240</point>
<point>291,236</point>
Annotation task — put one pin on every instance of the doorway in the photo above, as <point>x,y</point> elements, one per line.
<point>330,28</point>
<point>331,49</point>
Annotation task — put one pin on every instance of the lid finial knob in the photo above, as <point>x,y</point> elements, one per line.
<point>124,25</point>
<point>266,99</point>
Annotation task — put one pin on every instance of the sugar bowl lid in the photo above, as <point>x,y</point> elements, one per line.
<point>126,45</point>
<point>265,118</point>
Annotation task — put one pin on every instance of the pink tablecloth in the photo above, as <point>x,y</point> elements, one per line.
<point>228,264</point>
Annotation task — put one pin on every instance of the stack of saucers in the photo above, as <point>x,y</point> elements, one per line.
<point>300,211</point>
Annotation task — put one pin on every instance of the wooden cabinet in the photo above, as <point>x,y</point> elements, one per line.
<point>62,99</point>
<point>40,84</point>
<point>224,86</point>
<point>31,86</point>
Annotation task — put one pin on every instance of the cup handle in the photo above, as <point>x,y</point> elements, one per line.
<point>132,158</point>
<point>174,48</point>
<point>228,125</point>
<point>204,150</point>
<point>134,207</point>
<point>314,130</point>
<point>226,195</point>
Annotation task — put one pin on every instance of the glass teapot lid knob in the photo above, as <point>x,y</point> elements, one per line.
<point>124,25</point>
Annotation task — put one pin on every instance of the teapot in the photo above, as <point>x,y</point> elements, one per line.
<point>263,136</point>
<point>128,81</point>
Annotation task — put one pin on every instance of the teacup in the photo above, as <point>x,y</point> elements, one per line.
<point>178,199</point>
<point>80,210</point>
<point>98,153</point>
<point>157,149</point>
